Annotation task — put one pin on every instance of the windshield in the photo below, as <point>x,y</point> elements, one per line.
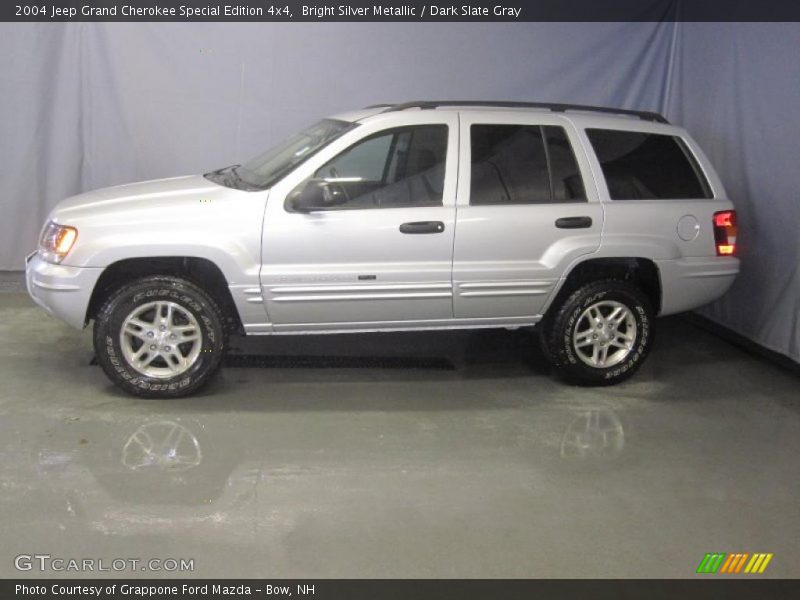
<point>266,169</point>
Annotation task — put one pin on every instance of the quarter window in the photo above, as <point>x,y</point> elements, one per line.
<point>523,164</point>
<point>647,166</point>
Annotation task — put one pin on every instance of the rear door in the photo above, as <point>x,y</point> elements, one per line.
<point>527,208</point>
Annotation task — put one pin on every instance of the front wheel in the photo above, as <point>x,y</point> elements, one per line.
<point>159,337</point>
<point>601,334</point>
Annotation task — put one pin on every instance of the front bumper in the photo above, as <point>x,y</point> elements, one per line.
<point>62,291</point>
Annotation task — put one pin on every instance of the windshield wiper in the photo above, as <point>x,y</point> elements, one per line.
<point>242,182</point>
<point>229,177</point>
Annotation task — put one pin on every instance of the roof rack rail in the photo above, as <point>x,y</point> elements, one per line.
<point>555,107</point>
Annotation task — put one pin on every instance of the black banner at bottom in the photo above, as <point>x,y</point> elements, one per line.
<point>399,589</point>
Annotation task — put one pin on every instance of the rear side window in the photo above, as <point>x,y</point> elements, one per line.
<point>566,177</point>
<point>647,166</point>
<point>523,164</point>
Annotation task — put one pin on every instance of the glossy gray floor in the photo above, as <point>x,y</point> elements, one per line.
<point>408,455</point>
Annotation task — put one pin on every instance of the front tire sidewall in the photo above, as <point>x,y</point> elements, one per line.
<point>109,351</point>
<point>570,364</point>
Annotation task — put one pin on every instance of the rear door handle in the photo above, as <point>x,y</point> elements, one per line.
<point>574,222</point>
<point>416,227</point>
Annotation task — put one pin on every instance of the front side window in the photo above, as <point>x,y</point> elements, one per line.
<point>400,167</point>
<point>523,164</point>
<point>647,166</point>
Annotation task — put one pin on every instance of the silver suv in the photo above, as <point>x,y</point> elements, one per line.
<point>586,222</point>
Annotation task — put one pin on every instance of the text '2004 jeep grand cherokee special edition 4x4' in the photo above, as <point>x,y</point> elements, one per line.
<point>425,215</point>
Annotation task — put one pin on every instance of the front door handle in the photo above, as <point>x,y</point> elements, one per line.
<point>574,222</point>
<point>416,227</point>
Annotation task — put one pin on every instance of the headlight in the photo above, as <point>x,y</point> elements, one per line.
<point>57,241</point>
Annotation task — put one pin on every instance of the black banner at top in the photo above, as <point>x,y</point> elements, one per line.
<point>399,10</point>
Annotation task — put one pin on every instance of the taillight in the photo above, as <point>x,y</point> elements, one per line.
<point>725,232</point>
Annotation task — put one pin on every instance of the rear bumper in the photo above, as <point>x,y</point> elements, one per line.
<point>689,283</point>
<point>62,291</point>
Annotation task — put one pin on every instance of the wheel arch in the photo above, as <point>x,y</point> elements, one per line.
<point>201,271</point>
<point>642,272</point>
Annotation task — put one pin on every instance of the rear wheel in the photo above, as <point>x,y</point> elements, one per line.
<point>159,337</point>
<point>601,333</point>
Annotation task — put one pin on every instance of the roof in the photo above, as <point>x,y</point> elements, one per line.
<point>553,107</point>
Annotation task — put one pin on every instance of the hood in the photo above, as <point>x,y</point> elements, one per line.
<point>184,216</point>
<point>150,194</point>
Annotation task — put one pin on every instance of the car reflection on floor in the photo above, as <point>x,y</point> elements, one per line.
<point>176,475</point>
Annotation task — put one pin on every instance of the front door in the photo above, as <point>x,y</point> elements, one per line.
<point>377,250</point>
<point>527,209</point>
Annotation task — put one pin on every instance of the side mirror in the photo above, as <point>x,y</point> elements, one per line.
<point>316,194</point>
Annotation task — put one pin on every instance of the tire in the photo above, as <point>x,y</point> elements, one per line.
<point>173,316</point>
<point>574,343</point>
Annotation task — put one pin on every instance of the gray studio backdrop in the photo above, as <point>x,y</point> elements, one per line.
<point>91,105</point>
